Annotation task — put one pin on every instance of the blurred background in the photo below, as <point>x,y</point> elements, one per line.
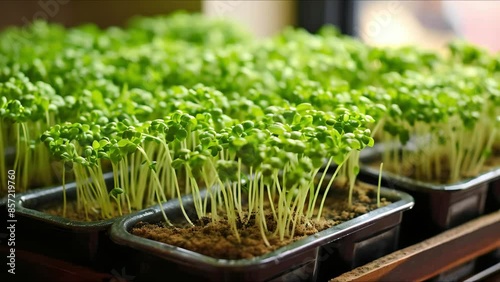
<point>430,24</point>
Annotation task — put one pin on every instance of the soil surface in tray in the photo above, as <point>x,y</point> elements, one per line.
<point>74,213</point>
<point>215,239</point>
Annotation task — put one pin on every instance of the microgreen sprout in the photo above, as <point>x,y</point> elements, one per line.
<point>174,105</point>
<point>448,129</point>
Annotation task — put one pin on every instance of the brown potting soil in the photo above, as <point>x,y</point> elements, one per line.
<point>494,160</point>
<point>215,239</point>
<point>73,213</point>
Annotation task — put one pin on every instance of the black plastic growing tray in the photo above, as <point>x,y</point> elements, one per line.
<point>349,244</point>
<point>438,207</point>
<point>84,243</point>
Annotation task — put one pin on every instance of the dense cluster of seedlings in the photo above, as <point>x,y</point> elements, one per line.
<point>171,108</point>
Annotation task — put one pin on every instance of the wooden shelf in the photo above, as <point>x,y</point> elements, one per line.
<point>441,254</point>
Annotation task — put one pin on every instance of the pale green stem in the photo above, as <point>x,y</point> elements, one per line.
<point>64,187</point>
<point>261,218</point>
<point>158,186</point>
<point>328,189</point>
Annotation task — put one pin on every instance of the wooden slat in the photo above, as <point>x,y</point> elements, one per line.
<point>434,255</point>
